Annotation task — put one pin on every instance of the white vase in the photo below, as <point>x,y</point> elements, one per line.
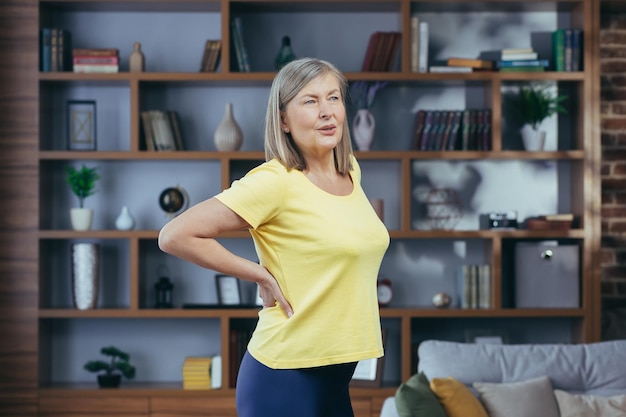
<point>363,126</point>
<point>125,220</point>
<point>85,275</point>
<point>533,139</point>
<point>228,135</point>
<point>81,218</point>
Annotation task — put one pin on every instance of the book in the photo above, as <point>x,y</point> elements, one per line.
<point>558,49</point>
<point>470,62</point>
<point>419,127</point>
<point>423,47</point>
<point>507,51</point>
<point>484,286</point>
<point>148,135</point>
<point>522,69</point>
<point>45,52</point>
<point>175,126</point>
<point>448,69</point>
<point>368,58</point>
<point>96,68</point>
<point>415,43</point>
<point>577,55</point>
<point>238,35</point>
<point>517,57</point>
<point>91,59</point>
<point>64,50</point>
<point>95,51</point>
<point>524,63</point>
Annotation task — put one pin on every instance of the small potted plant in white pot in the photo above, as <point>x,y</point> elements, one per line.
<point>534,104</point>
<point>113,370</point>
<point>83,184</point>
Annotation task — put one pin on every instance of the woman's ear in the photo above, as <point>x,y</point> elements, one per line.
<point>283,124</point>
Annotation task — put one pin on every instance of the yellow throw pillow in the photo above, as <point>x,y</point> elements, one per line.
<point>456,398</point>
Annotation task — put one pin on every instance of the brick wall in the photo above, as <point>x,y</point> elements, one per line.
<point>613,129</point>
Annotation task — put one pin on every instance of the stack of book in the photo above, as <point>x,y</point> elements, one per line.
<point>419,44</point>
<point>55,50</point>
<point>211,55</point>
<point>161,130</point>
<point>382,50</point>
<point>96,60</point>
<point>521,60</point>
<point>474,286</point>
<point>567,49</point>
<point>452,130</point>
<point>202,372</point>
<point>561,221</point>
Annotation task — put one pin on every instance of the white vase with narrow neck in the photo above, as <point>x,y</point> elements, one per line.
<point>228,135</point>
<point>363,127</point>
<point>125,220</point>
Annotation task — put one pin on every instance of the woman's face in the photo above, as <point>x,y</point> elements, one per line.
<point>315,117</point>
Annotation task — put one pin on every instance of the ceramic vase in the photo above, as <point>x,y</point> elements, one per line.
<point>125,220</point>
<point>363,127</point>
<point>533,139</point>
<point>81,218</point>
<point>137,62</point>
<point>85,275</point>
<point>228,135</point>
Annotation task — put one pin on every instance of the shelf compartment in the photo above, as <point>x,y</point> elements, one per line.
<point>69,343</point>
<point>56,275</point>
<point>136,185</point>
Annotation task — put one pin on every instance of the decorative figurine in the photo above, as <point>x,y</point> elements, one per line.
<point>163,293</point>
<point>442,300</point>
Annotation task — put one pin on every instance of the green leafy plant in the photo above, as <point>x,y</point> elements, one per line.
<point>82,182</point>
<point>536,103</point>
<point>119,363</point>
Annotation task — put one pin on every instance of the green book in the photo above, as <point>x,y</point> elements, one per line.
<point>558,49</point>
<point>522,69</point>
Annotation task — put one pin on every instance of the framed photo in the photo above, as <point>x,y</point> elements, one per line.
<point>485,336</point>
<point>81,125</point>
<point>228,290</point>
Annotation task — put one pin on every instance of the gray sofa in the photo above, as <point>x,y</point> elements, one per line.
<point>582,370</point>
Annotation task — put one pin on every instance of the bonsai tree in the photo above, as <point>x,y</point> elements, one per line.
<point>537,103</point>
<point>118,365</point>
<point>82,182</point>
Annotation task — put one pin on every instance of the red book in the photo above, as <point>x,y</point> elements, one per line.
<point>99,59</point>
<point>368,61</point>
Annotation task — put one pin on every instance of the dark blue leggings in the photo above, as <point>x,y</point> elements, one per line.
<point>309,392</point>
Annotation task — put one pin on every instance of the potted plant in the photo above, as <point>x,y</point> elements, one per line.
<point>534,104</point>
<point>114,369</point>
<point>83,184</point>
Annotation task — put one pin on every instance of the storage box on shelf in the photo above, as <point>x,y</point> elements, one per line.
<point>423,259</point>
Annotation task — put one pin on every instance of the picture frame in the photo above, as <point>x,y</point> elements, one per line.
<point>485,337</point>
<point>369,372</point>
<point>228,290</point>
<point>81,125</point>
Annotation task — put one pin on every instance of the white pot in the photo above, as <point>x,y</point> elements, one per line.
<point>81,218</point>
<point>533,139</point>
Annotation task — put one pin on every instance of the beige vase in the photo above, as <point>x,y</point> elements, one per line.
<point>228,135</point>
<point>81,218</point>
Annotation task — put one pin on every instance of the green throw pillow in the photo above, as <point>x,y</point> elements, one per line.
<point>414,398</point>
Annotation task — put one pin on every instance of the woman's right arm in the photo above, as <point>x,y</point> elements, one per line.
<point>192,236</point>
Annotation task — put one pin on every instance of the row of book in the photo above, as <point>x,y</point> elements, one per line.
<point>382,51</point>
<point>567,45</point>
<point>211,56</point>
<point>239,46</point>
<point>474,286</point>
<point>161,130</point>
<point>238,343</point>
<point>55,50</point>
<point>202,372</point>
<point>96,60</point>
<point>452,130</point>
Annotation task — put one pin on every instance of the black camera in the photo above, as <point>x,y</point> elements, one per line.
<point>503,220</point>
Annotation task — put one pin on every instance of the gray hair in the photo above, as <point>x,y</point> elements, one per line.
<point>287,84</point>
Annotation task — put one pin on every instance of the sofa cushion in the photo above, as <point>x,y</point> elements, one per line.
<point>414,398</point>
<point>457,399</point>
<point>533,397</point>
<point>580,405</point>
<point>580,369</point>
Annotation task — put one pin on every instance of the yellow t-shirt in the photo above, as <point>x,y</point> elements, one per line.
<point>325,252</point>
